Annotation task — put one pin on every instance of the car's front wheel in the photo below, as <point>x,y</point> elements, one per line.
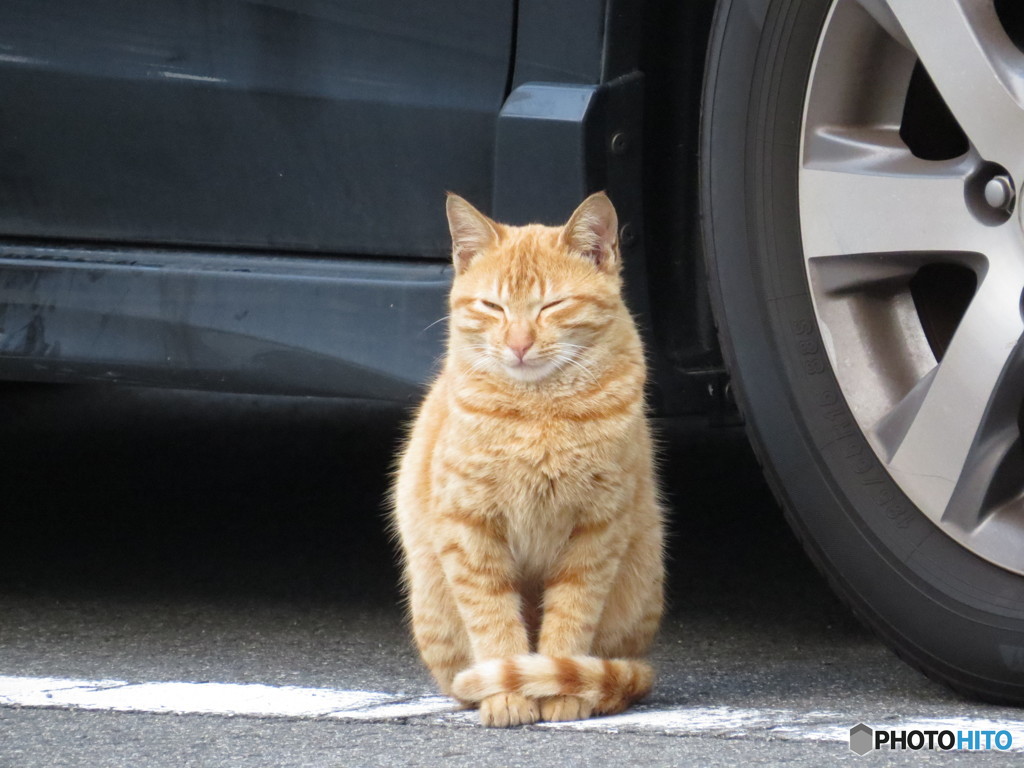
<point>861,164</point>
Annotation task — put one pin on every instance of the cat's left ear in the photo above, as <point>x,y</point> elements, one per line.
<point>593,232</point>
<point>472,232</point>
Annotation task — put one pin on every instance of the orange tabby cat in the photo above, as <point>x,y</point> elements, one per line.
<point>525,499</point>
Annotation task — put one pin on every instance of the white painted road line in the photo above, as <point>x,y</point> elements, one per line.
<point>725,721</point>
<point>257,700</point>
<point>224,699</point>
<point>783,724</point>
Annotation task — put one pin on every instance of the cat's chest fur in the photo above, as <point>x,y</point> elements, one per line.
<point>540,478</point>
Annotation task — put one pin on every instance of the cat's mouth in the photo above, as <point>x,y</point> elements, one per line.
<point>530,370</point>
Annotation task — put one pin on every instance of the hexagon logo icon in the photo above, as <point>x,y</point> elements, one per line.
<point>861,739</point>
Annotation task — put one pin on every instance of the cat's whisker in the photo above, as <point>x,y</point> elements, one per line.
<point>573,361</point>
<point>479,362</point>
<point>439,320</point>
<point>589,366</point>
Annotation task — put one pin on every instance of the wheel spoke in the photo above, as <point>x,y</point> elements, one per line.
<point>882,13</point>
<point>948,438</point>
<point>914,206</point>
<point>976,67</point>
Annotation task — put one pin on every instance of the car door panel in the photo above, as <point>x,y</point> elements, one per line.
<point>297,126</point>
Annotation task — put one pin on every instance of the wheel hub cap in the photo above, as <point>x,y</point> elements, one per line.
<point>878,216</point>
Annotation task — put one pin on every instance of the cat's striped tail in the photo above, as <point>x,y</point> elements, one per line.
<point>608,685</point>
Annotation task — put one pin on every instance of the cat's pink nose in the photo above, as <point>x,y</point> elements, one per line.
<point>520,348</point>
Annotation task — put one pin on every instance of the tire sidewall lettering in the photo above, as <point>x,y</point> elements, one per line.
<point>835,430</point>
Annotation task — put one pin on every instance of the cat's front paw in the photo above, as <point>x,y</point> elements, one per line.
<point>556,708</point>
<point>505,709</point>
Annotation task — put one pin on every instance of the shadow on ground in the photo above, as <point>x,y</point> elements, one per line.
<point>113,490</point>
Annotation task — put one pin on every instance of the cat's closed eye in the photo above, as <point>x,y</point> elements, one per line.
<point>552,304</point>
<point>492,306</point>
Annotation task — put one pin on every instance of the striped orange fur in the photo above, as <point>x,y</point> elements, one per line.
<point>525,499</point>
<point>606,686</point>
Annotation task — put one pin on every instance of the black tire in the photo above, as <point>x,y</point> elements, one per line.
<point>955,616</point>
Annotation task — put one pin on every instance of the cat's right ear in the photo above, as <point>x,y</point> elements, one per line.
<point>593,232</point>
<point>472,232</point>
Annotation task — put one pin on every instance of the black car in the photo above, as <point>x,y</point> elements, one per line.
<point>819,213</point>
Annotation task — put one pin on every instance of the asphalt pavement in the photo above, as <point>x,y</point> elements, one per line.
<point>154,538</point>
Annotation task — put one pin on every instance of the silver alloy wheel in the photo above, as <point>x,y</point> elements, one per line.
<point>943,418</point>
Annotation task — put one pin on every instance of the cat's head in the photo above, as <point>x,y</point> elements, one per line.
<point>530,302</point>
